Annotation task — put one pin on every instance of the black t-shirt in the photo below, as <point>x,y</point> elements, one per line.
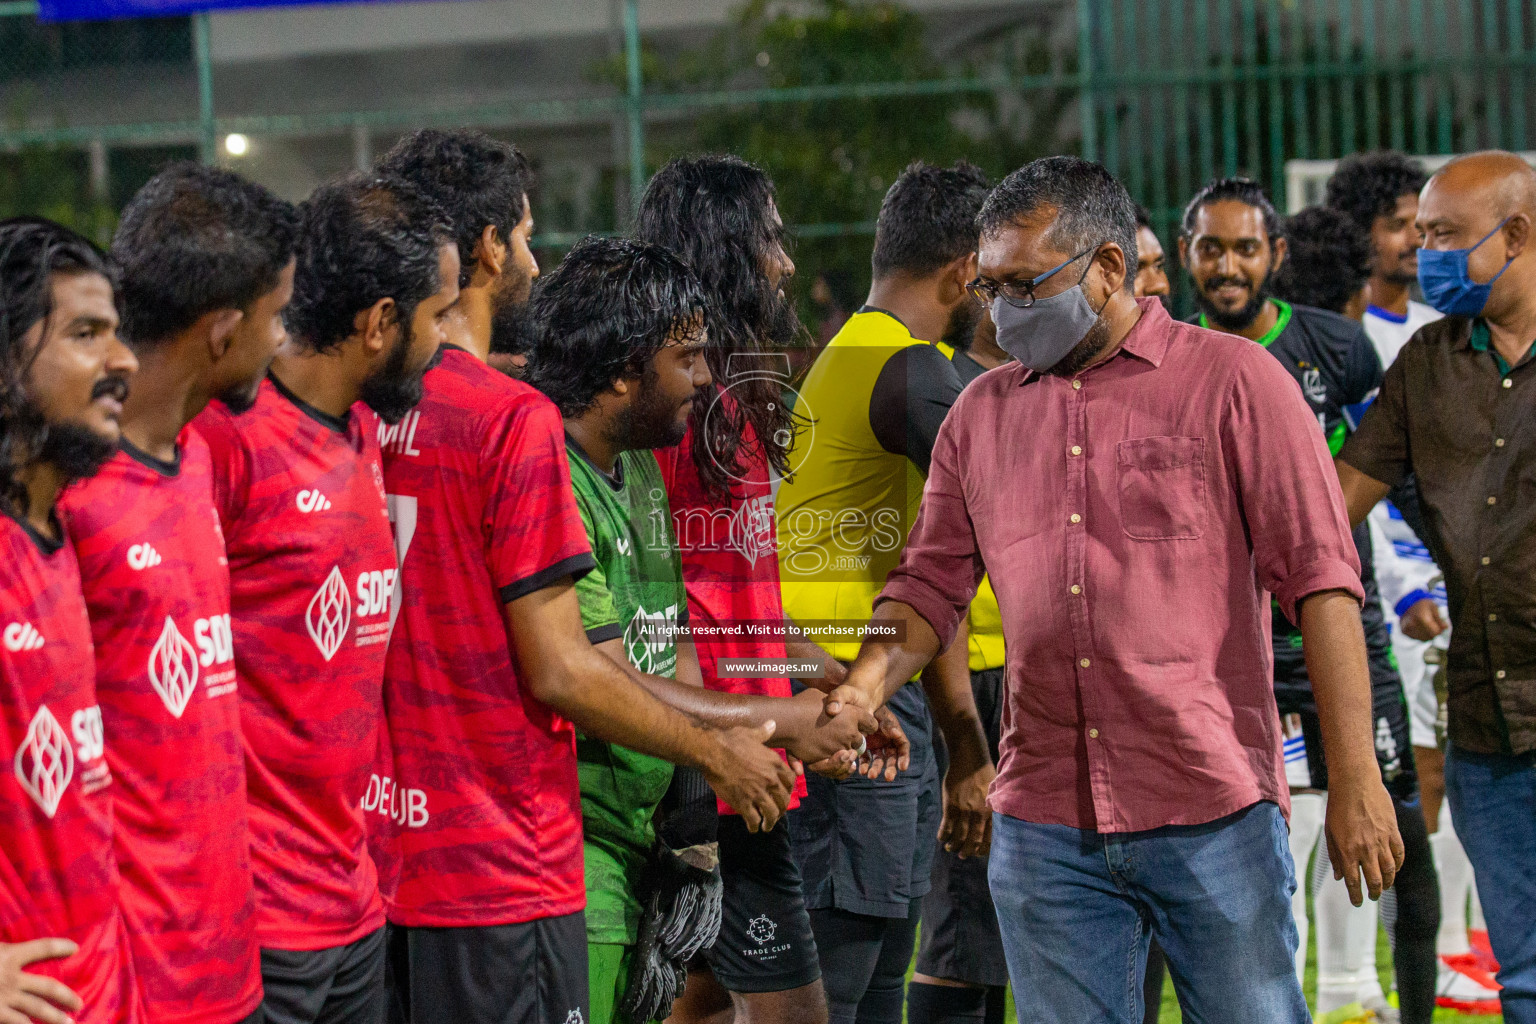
<point>1339,372</point>
<point>911,397</point>
<point>967,367</point>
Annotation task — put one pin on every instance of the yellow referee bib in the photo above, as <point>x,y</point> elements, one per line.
<point>844,516</point>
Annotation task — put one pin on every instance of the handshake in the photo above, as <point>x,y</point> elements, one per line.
<point>748,773</point>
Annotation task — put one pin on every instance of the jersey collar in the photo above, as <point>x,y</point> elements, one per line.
<point>143,458</point>
<point>615,479</point>
<point>48,546</point>
<point>336,423</point>
<point>1386,314</point>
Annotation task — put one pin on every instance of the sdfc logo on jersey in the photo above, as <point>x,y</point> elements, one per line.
<point>329,614</point>
<point>143,556</point>
<point>173,668</point>
<point>312,501</point>
<point>45,762</point>
<point>22,636</point>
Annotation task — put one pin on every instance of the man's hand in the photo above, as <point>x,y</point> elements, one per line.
<point>1362,832</point>
<point>967,825</point>
<point>28,997</point>
<point>889,749</point>
<point>1423,621</point>
<point>1361,825</point>
<point>749,775</point>
<point>843,731</point>
<point>802,648</point>
<point>861,687</point>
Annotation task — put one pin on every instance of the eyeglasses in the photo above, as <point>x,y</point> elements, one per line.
<point>1020,294</point>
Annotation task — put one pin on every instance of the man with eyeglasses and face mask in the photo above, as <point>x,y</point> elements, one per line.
<point>1134,487</point>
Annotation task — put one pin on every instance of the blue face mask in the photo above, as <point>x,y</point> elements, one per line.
<point>1448,286</point>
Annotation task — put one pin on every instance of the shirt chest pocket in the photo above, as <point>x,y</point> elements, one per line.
<point>1162,487</point>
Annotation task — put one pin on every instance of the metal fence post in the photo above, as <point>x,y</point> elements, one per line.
<point>208,132</point>
<point>1085,79</point>
<point>634,98</point>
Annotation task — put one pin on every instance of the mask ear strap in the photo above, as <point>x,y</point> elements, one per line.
<point>1084,276</point>
<point>1496,229</point>
<point>1507,262</point>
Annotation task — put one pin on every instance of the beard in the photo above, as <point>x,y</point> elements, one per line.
<point>1402,278</point>
<point>1093,345</point>
<point>75,450</point>
<point>1239,318</point>
<point>783,322</point>
<point>960,331</point>
<point>240,399</point>
<point>392,391</point>
<point>512,330</point>
<point>651,420</point>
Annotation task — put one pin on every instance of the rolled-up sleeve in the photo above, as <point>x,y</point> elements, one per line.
<point>940,567</point>
<point>1379,449</point>
<point>1287,486</point>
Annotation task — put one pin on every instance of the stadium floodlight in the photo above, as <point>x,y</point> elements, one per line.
<point>236,144</point>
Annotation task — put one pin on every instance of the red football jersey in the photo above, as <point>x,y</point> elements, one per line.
<point>478,818</point>
<point>311,566</point>
<point>730,566</point>
<point>157,586</point>
<point>57,873</point>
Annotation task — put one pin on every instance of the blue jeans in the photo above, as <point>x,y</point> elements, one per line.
<point>1493,803</point>
<point>1078,909</point>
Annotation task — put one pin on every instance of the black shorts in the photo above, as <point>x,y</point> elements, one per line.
<point>1391,733</point>
<point>765,942</point>
<point>529,973</point>
<point>340,985</point>
<point>866,846</point>
<point>960,940</point>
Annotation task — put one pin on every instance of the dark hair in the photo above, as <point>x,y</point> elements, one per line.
<point>714,212</point>
<point>1243,190</point>
<point>193,240</point>
<point>362,239</point>
<point>32,251</point>
<point>1327,262</point>
<point>1368,185</point>
<point>928,218</point>
<point>477,180</point>
<point>1092,206</point>
<point>601,316</point>
<point>1143,217</point>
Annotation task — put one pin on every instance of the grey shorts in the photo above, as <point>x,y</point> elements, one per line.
<point>960,939</point>
<point>867,846</point>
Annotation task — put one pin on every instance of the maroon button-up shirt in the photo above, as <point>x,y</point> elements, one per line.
<point>1134,521</point>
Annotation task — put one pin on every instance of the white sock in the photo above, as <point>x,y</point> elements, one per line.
<point>1346,948</point>
<point>1306,830</point>
<point>1455,887</point>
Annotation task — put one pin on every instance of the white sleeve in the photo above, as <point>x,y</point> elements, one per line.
<point>1404,568</point>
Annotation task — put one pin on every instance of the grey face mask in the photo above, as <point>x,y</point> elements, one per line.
<point>1041,336</point>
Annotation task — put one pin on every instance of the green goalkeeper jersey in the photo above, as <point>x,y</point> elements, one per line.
<point>635,595</point>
